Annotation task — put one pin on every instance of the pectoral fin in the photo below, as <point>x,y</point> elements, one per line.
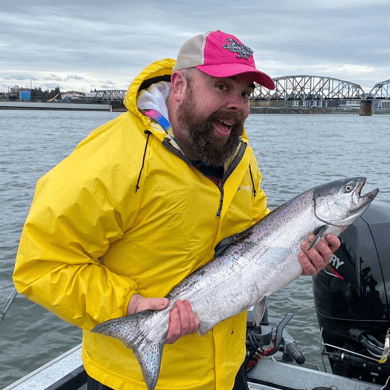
<point>258,311</point>
<point>204,327</point>
<point>318,235</point>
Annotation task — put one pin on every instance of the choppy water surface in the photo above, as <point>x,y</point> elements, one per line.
<point>295,153</point>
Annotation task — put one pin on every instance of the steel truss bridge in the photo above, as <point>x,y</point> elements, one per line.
<point>292,88</point>
<point>318,88</point>
<point>109,95</point>
<point>380,91</point>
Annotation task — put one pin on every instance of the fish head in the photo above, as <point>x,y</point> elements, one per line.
<point>340,203</point>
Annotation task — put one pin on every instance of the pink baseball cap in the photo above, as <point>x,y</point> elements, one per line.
<point>220,55</point>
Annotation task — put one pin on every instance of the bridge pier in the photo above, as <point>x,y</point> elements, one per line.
<point>365,108</point>
<point>118,106</point>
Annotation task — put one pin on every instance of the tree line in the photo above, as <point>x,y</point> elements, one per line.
<point>38,94</point>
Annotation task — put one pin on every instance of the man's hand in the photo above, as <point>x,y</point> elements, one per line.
<point>315,259</point>
<point>182,320</point>
<point>138,303</point>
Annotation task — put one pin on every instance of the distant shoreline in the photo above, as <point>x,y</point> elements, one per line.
<point>116,107</point>
<point>298,111</point>
<point>54,106</point>
<point>312,110</point>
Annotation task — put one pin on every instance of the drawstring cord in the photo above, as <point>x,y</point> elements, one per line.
<point>143,163</point>
<point>143,160</point>
<point>253,183</point>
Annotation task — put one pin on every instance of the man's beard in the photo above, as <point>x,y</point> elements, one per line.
<point>200,133</point>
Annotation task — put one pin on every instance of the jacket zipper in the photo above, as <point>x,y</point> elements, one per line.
<point>226,175</point>
<point>232,167</point>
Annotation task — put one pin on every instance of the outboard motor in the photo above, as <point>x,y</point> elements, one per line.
<point>353,307</point>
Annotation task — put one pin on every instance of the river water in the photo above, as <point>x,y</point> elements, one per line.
<point>295,153</point>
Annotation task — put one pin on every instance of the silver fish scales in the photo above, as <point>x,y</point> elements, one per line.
<point>255,264</point>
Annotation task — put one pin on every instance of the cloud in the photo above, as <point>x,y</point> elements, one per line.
<point>17,77</point>
<point>50,86</point>
<point>52,77</point>
<point>82,44</point>
<point>74,77</point>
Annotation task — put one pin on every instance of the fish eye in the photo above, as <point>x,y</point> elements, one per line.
<point>348,188</point>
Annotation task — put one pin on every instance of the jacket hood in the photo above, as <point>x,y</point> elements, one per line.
<point>160,70</point>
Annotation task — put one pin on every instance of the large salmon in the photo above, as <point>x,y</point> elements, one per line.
<point>257,262</point>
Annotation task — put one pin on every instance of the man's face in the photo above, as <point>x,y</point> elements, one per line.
<point>212,115</point>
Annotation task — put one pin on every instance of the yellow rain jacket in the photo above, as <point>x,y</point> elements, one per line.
<point>127,213</point>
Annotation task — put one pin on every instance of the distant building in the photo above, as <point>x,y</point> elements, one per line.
<point>15,89</point>
<point>73,95</point>
<point>381,105</point>
<point>25,95</point>
<point>350,104</point>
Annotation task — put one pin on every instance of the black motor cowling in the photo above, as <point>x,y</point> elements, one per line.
<point>353,312</point>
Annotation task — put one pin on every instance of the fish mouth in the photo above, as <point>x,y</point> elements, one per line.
<point>341,202</point>
<point>362,201</point>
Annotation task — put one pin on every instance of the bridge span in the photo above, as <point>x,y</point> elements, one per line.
<point>380,91</point>
<point>292,88</point>
<point>308,87</point>
<point>109,95</point>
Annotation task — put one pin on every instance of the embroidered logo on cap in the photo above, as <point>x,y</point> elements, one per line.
<point>235,47</point>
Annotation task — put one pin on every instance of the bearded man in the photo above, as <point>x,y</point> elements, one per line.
<point>141,203</point>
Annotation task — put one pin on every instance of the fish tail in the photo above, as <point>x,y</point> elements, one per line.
<point>130,331</point>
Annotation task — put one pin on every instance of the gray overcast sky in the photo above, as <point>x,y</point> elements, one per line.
<point>83,45</point>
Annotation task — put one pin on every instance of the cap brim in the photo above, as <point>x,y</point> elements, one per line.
<point>229,70</point>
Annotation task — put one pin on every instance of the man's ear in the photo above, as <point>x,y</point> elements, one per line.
<point>178,85</point>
